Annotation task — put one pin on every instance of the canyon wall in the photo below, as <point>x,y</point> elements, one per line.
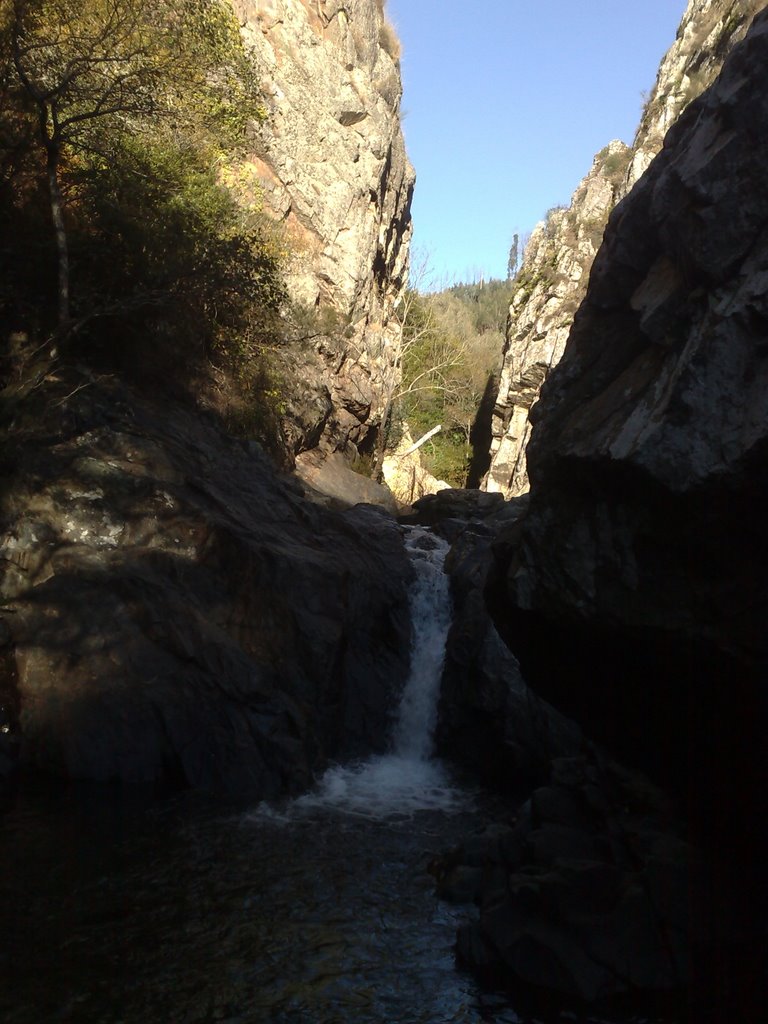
<point>173,612</point>
<point>332,168</point>
<point>557,261</point>
<point>634,590</point>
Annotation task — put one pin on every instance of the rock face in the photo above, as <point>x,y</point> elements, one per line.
<point>173,613</point>
<point>708,31</point>
<point>489,721</point>
<point>558,258</point>
<point>548,290</point>
<point>587,895</point>
<point>635,593</point>
<point>334,172</point>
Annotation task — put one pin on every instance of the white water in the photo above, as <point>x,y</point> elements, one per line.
<point>408,779</point>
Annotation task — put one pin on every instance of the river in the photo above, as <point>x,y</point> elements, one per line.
<point>319,910</point>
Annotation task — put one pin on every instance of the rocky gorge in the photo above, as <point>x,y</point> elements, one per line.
<point>556,264</point>
<point>179,617</point>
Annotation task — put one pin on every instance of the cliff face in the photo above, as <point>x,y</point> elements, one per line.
<point>708,31</point>
<point>549,288</point>
<point>558,258</point>
<point>334,172</point>
<point>634,593</point>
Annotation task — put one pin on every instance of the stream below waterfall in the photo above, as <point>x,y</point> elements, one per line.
<point>320,910</point>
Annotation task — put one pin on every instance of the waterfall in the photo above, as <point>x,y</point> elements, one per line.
<point>430,605</point>
<point>408,778</point>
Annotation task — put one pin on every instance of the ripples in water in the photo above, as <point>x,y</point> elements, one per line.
<point>314,915</point>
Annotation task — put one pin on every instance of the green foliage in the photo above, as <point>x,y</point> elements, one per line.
<point>452,344</point>
<point>141,105</point>
<point>487,303</point>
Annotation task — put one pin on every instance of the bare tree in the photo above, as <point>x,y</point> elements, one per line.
<point>417,329</point>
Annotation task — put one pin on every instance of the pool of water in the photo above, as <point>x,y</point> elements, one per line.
<point>316,911</point>
<point>305,912</point>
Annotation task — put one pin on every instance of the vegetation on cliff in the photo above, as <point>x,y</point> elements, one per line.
<point>450,343</point>
<point>126,244</point>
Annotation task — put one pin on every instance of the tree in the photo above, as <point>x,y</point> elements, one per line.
<point>417,365</point>
<point>514,257</point>
<point>447,345</point>
<point>89,71</point>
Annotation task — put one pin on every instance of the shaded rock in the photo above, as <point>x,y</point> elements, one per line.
<point>632,594</point>
<point>588,912</point>
<point>489,719</point>
<point>455,503</point>
<point>177,613</point>
<point>329,480</point>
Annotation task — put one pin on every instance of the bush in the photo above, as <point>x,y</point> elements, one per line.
<point>173,279</point>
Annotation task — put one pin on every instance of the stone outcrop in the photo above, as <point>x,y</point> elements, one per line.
<point>708,31</point>
<point>333,171</point>
<point>173,613</point>
<point>558,258</point>
<point>634,592</point>
<point>328,480</point>
<point>547,293</point>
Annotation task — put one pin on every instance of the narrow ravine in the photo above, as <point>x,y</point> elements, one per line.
<point>320,910</point>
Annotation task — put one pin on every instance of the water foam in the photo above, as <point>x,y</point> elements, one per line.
<point>408,779</point>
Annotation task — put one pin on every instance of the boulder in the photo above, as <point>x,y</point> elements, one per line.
<point>585,901</point>
<point>330,480</point>
<point>176,612</point>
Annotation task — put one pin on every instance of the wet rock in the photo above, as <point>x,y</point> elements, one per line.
<point>180,615</point>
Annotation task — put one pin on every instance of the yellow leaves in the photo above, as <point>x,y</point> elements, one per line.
<point>105,60</point>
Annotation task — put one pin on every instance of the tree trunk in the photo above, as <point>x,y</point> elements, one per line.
<point>422,440</point>
<point>381,439</point>
<point>62,246</point>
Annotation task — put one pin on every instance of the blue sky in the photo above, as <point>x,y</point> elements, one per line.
<point>506,102</point>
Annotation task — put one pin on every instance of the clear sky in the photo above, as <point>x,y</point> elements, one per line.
<point>506,102</point>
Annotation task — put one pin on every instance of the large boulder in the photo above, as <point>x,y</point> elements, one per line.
<point>489,719</point>
<point>173,612</point>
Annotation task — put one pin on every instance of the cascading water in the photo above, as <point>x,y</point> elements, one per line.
<point>324,911</point>
<point>430,603</point>
<point>407,779</point>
